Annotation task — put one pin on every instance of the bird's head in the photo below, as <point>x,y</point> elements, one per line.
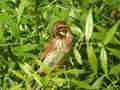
<point>60,28</point>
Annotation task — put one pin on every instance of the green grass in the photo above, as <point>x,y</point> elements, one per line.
<point>94,60</point>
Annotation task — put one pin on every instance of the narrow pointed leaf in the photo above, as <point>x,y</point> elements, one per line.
<point>76,71</point>
<point>110,33</point>
<point>98,35</point>
<point>16,87</point>
<point>27,47</point>
<point>23,50</point>
<point>100,29</point>
<point>97,84</point>
<point>18,74</point>
<point>103,59</point>
<point>77,56</point>
<point>92,58</point>
<point>115,70</point>
<point>81,84</point>
<point>89,26</point>
<point>59,81</point>
<point>115,52</point>
<point>76,30</point>
<point>21,8</point>
<point>14,30</point>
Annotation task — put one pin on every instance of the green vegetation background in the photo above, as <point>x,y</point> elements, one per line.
<point>94,61</point>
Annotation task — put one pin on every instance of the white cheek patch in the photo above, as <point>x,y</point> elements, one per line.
<point>62,33</point>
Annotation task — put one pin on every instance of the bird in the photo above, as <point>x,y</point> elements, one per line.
<point>56,48</point>
<point>59,45</point>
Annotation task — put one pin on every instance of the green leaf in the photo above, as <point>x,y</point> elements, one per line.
<point>115,70</point>
<point>27,54</point>
<point>16,87</point>
<point>14,29</point>
<point>64,13</point>
<point>25,48</point>
<point>18,74</point>
<point>98,35</point>
<point>26,68</point>
<point>75,12</point>
<point>115,52</point>
<point>20,10</point>
<point>109,35</point>
<point>11,82</point>
<point>104,61</point>
<point>77,56</point>
<point>29,71</point>
<point>72,13</point>
<point>52,21</point>
<point>100,29</point>
<point>89,26</point>
<point>75,71</point>
<point>45,68</point>
<point>97,84</point>
<point>4,18</point>
<point>92,58</point>
<point>116,41</point>
<point>75,30</point>
<point>37,78</point>
<point>81,84</point>
<point>59,81</point>
<point>1,33</point>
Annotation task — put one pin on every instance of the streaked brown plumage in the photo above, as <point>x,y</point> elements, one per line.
<point>59,45</point>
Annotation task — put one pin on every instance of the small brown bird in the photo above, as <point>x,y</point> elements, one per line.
<point>59,45</point>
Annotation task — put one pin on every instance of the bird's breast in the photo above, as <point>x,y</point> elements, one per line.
<point>57,55</point>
